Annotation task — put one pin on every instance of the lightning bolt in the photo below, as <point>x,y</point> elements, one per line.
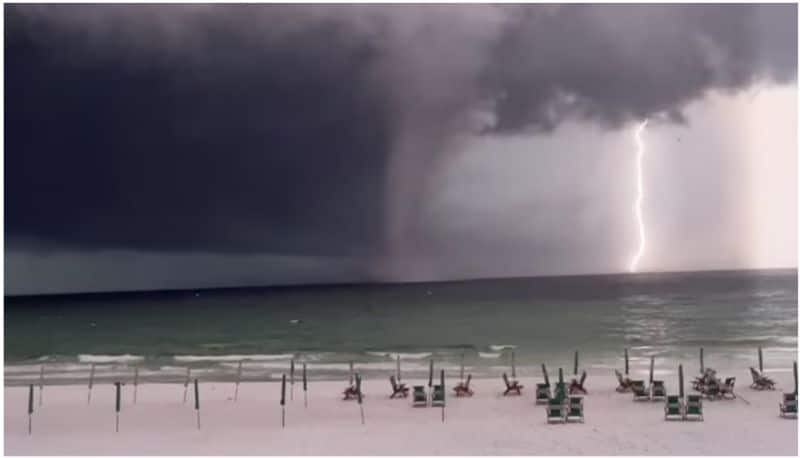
<point>637,206</point>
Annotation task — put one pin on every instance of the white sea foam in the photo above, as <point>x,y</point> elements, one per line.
<point>489,355</point>
<point>501,347</point>
<point>109,358</point>
<point>198,358</point>
<point>393,355</point>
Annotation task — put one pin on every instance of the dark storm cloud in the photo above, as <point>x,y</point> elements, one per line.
<point>312,130</point>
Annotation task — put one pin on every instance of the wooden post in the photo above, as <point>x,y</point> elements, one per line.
<point>291,379</point>
<point>283,401</point>
<point>197,402</point>
<point>360,397</point>
<point>117,385</point>
<point>238,380</point>
<point>186,383</point>
<point>760,361</point>
<point>41,384</point>
<point>30,409</point>
<point>135,383</point>
<point>305,387</point>
<point>575,371</point>
<point>626,361</point>
<point>91,383</point>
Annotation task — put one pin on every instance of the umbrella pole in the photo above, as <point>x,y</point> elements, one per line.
<point>30,409</point>
<point>283,401</point>
<point>626,361</point>
<point>305,387</point>
<point>702,365</point>
<point>186,383</point>
<point>238,380</point>
<point>41,384</point>
<point>760,361</point>
<point>135,382</point>
<point>91,382</point>
<point>575,371</point>
<point>291,380</point>
<point>197,401</point>
<point>513,365</point>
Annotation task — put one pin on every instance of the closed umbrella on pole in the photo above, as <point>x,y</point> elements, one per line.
<point>513,365</point>
<point>91,383</point>
<point>702,364</point>
<point>652,363</point>
<point>41,384</point>
<point>760,361</point>
<point>30,409</point>
<point>626,361</point>
<point>360,397</point>
<point>283,400</point>
<point>546,378</point>
<point>560,375</point>
<point>305,387</point>
<point>135,382</point>
<point>197,402</point>
<point>119,398</point>
<point>398,368</point>
<point>795,377</point>
<point>443,394</point>
<point>291,379</point>
<point>352,374</point>
<point>186,383</point>
<point>461,374</point>
<point>575,370</point>
<point>430,373</point>
<point>680,380</point>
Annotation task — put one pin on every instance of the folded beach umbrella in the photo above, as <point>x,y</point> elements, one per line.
<point>352,374</point>
<point>560,375</point>
<point>91,383</point>
<point>398,369</point>
<point>41,384</point>
<point>305,387</point>
<point>444,391</point>
<point>760,361</point>
<point>197,402</point>
<point>430,373</point>
<point>283,400</point>
<point>30,408</point>
<point>117,385</point>
<point>135,382</point>
<point>238,380</point>
<point>680,380</point>
<point>461,374</point>
<point>360,397</point>
<point>652,363</point>
<point>291,379</point>
<point>702,365</point>
<point>795,377</point>
<point>186,383</point>
<point>575,371</point>
<point>626,361</point>
<point>513,365</point>
<point>546,378</point>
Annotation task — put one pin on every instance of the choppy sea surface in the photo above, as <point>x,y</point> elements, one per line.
<point>540,320</point>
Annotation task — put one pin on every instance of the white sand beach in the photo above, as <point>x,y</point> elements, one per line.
<point>488,423</point>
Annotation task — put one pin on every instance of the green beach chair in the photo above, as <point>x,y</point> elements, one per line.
<point>789,405</point>
<point>420,398</point>
<point>658,392</point>
<point>542,393</point>
<point>694,408</point>
<point>673,409</point>
<point>438,396</point>
<point>639,391</point>
<point>556,413</point>
<point>575,409</point>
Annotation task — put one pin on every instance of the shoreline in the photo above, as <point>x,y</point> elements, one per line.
<point>488,423</point>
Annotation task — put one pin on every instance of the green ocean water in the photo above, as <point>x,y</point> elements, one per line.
<point>544,320</point>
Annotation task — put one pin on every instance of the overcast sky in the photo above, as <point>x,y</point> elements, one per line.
<point>153,146</point>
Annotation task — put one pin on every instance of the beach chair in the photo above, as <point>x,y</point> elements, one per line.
<point>350,393</point>
<point>463,389</point>
<point>511,386</point>
<point>694,408</point>
<point>420,397</point>
<point>726,389</point>
<point>542,393</point>
<point>556,413</point>
<point>658,392</point>
<point>624,383</point>
<point>789,405</point>
<point>639,391</point>
<point>761,382</point>
<point>438,396</point>
<point>673,409</point>
<point>576,386</point>
<point>712,390</point>
<point>398,389</point>
<point>575,409</point>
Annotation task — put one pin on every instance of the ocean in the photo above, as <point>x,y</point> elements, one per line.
<point>542,320</point>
